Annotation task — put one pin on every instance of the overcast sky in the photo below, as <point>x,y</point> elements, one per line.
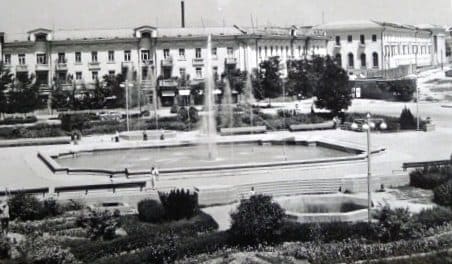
<point>22,15</point>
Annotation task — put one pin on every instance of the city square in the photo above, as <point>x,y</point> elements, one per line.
<point>322,143</point>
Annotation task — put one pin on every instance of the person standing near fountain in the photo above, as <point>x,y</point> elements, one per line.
<point>154,177</point>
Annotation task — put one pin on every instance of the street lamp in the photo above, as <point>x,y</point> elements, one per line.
<point>368,126</point>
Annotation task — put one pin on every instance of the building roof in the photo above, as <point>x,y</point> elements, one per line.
<point>366,24</point>
<point>197,32</point>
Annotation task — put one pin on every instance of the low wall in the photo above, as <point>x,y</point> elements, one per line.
<point>324,125</point>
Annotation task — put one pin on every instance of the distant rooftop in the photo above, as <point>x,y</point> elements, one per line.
<point>367,24</point>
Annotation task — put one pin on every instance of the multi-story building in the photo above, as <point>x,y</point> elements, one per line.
<point>147,53</point>
<point>368,47</point>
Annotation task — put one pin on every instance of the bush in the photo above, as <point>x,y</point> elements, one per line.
<point>428,179</point>
<point>71,122</point>
<point>395,224</point>
<point>194,114</point>
<point>5,248</point>
<point>150,211</point>
<point>182,114</point>
<point>256,220</point>
<point>174,109</point>
<point>18,120</point>
<point>433,217</point>
<point>407,120</point>
<point>25,207</point>
<point>442,194</point>
<point>50,207</point>
<point>99,224</point>
<point>36,131</point>
<point>179,204</point>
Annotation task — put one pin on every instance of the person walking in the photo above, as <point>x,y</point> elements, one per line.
<point>4,217</point>
<point>154,177</point>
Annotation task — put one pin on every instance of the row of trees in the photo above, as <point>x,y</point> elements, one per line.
<point>18,96</point>
<point>321,77</point>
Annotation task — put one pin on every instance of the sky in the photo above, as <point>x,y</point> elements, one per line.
<point>18,16</point>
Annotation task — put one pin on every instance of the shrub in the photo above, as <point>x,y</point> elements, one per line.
<point>428,179</point>
<point>442,194</point>
<point>25,207</point>
<point>194,114</point>
<point>434,217</point>
<point>256,220</point>
<point>18,120</point>
<point>407,120</point>
<point>99,224</point>
<point>50,207</point>
<point>182,114</point>
<point>396,224</point>
<point>174,109</point>
<point>179,204</point>
<point>71,122</point>
<point>5,248</point>
<point>150,211</point>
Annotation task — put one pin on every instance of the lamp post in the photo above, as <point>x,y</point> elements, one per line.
<point>368,126</point>
<point>126,86</point>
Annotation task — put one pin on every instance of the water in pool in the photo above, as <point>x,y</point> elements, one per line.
<point>195,156</point>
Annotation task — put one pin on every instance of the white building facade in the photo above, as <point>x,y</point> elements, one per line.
<point>367,47</point>
<point>145,54</point>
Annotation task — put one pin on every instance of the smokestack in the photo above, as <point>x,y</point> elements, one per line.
<point>182,9</point>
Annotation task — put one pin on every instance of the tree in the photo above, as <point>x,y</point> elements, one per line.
<point>298,81</point>
<point>333,90</point>
<point>407,120</point>
<point>24,96</point>
<point>268,82</point>
<point>113,86</point>
<point>6,80</point>
<point>256,220</point>
<point>60,98</point>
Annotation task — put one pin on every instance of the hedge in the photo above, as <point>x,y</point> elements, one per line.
<point>36,131</point>
<point>429,178</point>
<point>18,120</point>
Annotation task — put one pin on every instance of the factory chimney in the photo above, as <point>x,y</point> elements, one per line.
<point>182,9</point>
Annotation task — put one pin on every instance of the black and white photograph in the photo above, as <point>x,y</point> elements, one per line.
<point>225,131</point>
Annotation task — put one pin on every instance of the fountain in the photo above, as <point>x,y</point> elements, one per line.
<point>209,101</point>
<point>227,115</point>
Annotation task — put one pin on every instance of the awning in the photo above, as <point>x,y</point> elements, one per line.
<point>168,93</point>
<point>184,92</point>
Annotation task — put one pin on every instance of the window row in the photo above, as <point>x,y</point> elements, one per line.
<point>394,50</point>
<point>198,53</point>
<point>281,50</point>
<point>363,60</point>
<point>362,39</point>
<point>42,58</point>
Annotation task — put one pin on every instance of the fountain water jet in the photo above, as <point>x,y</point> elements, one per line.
<point>209,102</point>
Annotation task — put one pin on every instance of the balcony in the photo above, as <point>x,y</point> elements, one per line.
<point>127,64</point>
<point>231,61</point>
<point>42,67</point>
<point>61,65</point>
<point>167,62</point>
<point>168,83</point>
<point>198,62</point>
<point>22,68</point>
<point>148,62</point>
<point>94,65</point>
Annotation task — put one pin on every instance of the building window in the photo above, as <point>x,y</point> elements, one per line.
<point>375,59</point>
<point>182,54</point>
<point>22,59</point>
<point>349,38</point>
<point>362,39</point>
<point>166,53</point>
<point>287,51</point>
<point>61,57</point>
<point>94,56</point>
<point>215,73</point>
<point>182,72</point>
<point>111,74</point>
<point>78,76</point>
<point>199,73</point>
<point>338,40</point>
<point>198,53</point>
<point>41,59</point>
<point>351,60</point>
<point>363,60</point>
<point>374,38</point>
<point>78,57</point>
<point>338,58</point>
<point>260,52</point>
<point>214,52</point>
<point>94,75</point>
<point>271,50</point>
<point>145,55</point>
<point>230,52</point>
<point>7,59</point>
<point>111,56</point>
<point>127,55</point>
<point>299,51</point>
